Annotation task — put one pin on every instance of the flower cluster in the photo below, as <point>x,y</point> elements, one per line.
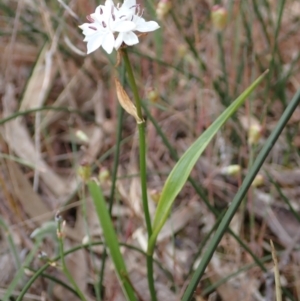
<point>111,25</point>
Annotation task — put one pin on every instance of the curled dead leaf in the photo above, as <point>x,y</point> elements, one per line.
<point>125,102</point>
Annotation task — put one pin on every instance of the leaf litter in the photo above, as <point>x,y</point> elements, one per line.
<point>184,110</point>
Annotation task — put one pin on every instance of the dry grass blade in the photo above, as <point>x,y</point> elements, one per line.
<point>40,80</point>
<point>276,273</point>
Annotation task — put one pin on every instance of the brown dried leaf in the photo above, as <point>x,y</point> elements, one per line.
<point>40,80</point>
<point>125,102</point>
<point>17,137</point>
<point>31,202</point>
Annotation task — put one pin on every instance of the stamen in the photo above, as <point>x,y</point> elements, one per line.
<point>112,13</point>
<point>90,19</point>
<point>101,11</point>
<point>104,24</point>
<point>92,27</point>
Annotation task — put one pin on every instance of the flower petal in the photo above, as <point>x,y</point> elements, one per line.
<point>123,26</point>
<point>119,40</point>
<point>94,42</point>
<point>130,38</point>
<point>89,29</point>
<point>129,4</point>
<point>108,42</point>
<point>143,26</point>
<point>109,4</point>
<point>98,15</point>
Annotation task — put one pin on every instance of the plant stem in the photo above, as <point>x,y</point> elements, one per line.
<point>21,272</point>
<point>202,65</point>
<point>239,197</point>
<point>41,270</point>
<point>223,67</point>
<point>143,168</point>
<point>63,262</point>
<point>120,113</point>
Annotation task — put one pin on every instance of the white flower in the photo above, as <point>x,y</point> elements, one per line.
<point>108,20</point>
<point>130,11</point>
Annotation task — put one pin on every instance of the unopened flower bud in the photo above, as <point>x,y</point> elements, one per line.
<point>182,50</point>
<point>254,134</point>
<point>258,181</point>
<point>163,8</point>
<point>155,195</point>
<point>231,170</point>
<point>85,240</point>
<point>219,17</point>
<point>84,171</point>
<point>153,96</point>
<point>104,175</point>
<point>82,136</point>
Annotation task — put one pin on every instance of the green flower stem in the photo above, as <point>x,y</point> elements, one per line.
<point>143,168</point>
<point>133,84</point>
<point>63,262</point>
<point>239,197</point>
<point>55,280</point>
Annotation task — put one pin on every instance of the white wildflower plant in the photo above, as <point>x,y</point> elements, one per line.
<point>110,26</point>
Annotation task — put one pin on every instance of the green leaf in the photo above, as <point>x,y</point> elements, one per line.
<point>111,239</point>
<point>184,166</point>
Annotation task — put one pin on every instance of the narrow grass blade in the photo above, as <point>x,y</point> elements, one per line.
<point>21,271</point>
<point>11,243</point>
<point>42,269</point>
<point>111,239</point>
<point>184,166</point>
<point>240,195</point>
